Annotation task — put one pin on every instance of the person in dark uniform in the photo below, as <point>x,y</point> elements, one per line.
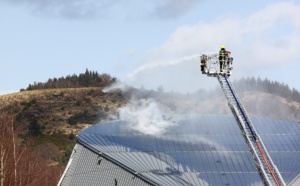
<point>223,55</point>
<point>203,63</point>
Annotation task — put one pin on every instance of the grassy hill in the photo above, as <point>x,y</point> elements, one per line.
<point>51,118</point>
<point>62,110</point>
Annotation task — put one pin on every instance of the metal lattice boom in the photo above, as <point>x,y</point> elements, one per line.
<point>264,164</point>
<point>210,65</point>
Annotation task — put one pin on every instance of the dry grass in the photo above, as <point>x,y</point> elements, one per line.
<point>53,107</point>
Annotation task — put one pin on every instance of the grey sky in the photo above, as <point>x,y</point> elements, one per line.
<point>85,9</point>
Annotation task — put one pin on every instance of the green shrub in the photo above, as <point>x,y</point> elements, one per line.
<point>87,100</point>
<point>67,153</point>
<point>28,104</point>
<point>72,136</point>
<point>91,92</point>
<point>83,117</point>
<point>78,102</point>
<point>34,128</point>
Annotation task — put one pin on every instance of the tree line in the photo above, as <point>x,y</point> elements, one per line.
<point>94,79</point>
<point>87,79</point>
<point>272,87</point>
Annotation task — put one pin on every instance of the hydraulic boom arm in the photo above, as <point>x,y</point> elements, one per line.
<point>264,164</point>
<point>210,65</point>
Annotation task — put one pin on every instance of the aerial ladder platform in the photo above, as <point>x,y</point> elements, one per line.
<point>210,65</point>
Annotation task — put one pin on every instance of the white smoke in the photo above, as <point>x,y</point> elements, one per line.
<point>116,87</point>
<point>146,116</point>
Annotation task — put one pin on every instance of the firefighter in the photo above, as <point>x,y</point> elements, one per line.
<point>203,63</point>
<point>230,59</point>
<point>223,55</point>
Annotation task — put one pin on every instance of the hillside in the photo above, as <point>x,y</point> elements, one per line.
<point>63,110</point>
<point>257,103</point>
<point>45,123</point>
<point>69,110</point>
<point>270,105</point>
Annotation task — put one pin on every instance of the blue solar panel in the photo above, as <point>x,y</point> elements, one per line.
<point>208,148</point>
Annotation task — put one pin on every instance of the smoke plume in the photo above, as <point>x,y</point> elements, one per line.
<point>146,116</point>
<point>116,87</point>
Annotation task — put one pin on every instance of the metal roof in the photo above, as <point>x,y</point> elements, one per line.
<point>199,150</point>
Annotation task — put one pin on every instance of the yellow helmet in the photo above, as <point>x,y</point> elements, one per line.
<point>222,46</point>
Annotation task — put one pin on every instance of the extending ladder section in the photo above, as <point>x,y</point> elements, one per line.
<point>264,164</point>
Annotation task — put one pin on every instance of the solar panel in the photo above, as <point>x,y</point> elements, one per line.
<point>199,150</point>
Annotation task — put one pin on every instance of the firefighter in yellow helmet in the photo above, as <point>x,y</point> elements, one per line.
<point>223,56</point>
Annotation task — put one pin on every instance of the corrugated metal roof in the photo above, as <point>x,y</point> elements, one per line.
<point>88,168</point>
<point>295,181</point>
<point>199,150</point>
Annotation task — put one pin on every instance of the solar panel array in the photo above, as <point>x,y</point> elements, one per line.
<point>198,150</point>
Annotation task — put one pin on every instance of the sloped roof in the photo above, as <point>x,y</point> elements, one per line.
<point>198,150</point>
